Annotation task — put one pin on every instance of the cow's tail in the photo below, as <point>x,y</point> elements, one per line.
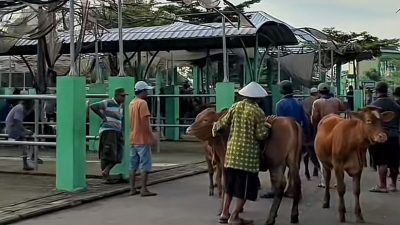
<point>294,166</point>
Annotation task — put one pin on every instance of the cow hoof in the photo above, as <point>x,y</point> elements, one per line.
<point>342,218</point>
<point>270,222</point>
<point>360,220</point>
<point>294,219</point>
<point>211,192</point>
<point>325,206</point>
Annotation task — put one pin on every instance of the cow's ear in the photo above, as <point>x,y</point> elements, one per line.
<point>356,115</point>
<point>388,116</point>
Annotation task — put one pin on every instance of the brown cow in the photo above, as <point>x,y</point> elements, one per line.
<point>281,150</point>
<point>337,151</point>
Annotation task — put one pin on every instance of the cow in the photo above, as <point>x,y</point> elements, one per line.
<point>341,145</point>
<point>282,149</point>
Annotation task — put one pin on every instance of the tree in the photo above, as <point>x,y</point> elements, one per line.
<point>373,75</point>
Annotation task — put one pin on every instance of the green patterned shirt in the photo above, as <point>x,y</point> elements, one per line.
<point>247,127</point>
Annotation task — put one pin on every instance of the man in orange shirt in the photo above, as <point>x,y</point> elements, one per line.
<point>141,138</point>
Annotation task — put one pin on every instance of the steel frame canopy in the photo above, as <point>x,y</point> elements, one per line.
<point>181,36</point>
<point>12,3</point>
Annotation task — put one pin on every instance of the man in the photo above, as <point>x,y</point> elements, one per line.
<point>288,106</point>
<point>387,155</point>
<point>246,121</point>
<point>141,139</point>
<point>111,145</point>
<point>325,105</point>
<point>350,98</point>
<point>16,130</point>
<point>6,108</point>
<point>308,102</point>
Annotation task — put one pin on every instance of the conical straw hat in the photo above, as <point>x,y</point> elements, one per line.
<point>253,90</point>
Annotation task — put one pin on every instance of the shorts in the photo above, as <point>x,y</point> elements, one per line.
<point>111,146</point>
<point>241,184</point>
<point>140,158</point>
<point>387,153</point>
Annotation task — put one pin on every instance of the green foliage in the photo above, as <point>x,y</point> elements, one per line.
<point>360,42</point>
<point>373,75</point>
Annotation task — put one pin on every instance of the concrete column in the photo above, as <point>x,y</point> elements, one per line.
<point>71,151</point>
<point>172,113</point>
<point>276,96</point>
<point>358,99</point>
<point>225,95</point>
<point>128,83</point>
<point>95,120</point>
<point>196,79</point>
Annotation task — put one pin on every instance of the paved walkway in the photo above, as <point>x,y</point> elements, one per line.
<point>185,201</point>
<point>20,190</point>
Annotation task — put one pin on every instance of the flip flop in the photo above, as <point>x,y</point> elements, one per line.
<point>223,220</point>
<point>377,189</point>
<point>241,221</point>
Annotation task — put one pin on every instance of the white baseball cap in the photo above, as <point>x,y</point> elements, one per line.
<point>141,85</point>
<point>313,90</point>
<point>253,90</point>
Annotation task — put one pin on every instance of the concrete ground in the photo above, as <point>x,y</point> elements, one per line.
<point>185,202</point>
<point>18,187</point>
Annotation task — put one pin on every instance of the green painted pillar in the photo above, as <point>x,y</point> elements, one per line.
<point>338,78</point>
<point>358,100</point>
<point>276,96</point>
<point>196,79</point>
<point>71,140</point>
<point>94,119</point>
<point>128,83</point>
<point>225,95</point>
<point>172,113</point>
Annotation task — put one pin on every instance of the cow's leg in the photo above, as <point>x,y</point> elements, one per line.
<point>294,178</point>
<point>278,182</point>
<point>341,190</point>
<point>356,192</point>
<point>211,176</point>
<point>326,171</point>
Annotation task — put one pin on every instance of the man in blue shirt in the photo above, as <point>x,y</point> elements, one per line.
<point>15,128</point>
<point>288,106</point>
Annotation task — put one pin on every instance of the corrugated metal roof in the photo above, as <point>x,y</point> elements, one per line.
<point>178,30</point>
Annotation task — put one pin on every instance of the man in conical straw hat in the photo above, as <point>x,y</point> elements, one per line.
<point>248,126</point>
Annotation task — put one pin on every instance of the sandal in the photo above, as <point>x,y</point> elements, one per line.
<point>378,189</point>
<point>241,221</point>
<point>223,220</point>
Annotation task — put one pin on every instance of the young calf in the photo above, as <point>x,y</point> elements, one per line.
<point>341,144</point>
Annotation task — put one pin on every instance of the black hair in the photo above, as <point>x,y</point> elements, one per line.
<point>324,92</point>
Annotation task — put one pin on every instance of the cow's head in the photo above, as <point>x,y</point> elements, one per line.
<point>202,126</point>
<point>373,120</point>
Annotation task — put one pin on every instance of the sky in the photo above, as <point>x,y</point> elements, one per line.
<point>377,17</point>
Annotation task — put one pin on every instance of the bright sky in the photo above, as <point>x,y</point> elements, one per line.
<point>378,17</point>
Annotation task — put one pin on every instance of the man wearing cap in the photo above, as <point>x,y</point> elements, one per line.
<point>111,145</point>
<point>288,106</point>
<point>325,105</point>
<point>387,155</point>
<point>141,139</point>
<point>248,127</point>
<point>308,102</point>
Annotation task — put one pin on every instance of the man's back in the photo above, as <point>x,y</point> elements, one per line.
<point>290,107</point>
<point>14,122</point>
<point>307,104</point>
<point>325,106</point>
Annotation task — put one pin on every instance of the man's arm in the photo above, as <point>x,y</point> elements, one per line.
<point>225,121</point>
<point>97,108</point>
